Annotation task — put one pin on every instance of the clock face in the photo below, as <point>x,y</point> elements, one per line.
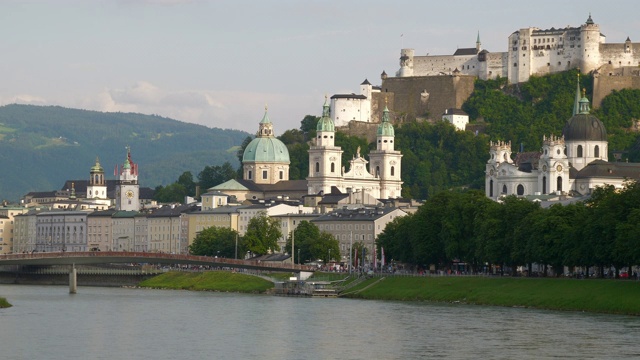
<point>544,167</point>
<point>559,168</point>
<point>129,194</point>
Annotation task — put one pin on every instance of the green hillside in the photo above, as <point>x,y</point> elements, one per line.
<point>42,146</point>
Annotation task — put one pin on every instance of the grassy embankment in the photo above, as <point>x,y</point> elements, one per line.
<point>603,296</point>
<point>210,280</point>
<point>4,303</point>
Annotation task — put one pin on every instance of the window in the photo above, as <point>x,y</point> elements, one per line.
<point>596,151</point>
<point>249,175</point>
<point>579,151</point>
<point>264,174</point>
<point>520,190</point>
<point>378,171</point>
<point>393,171</point>
<point>544,185</point>
<point>504,189</point>
<point>559,181</point>
<point>317,167</point>
<point>491,188</point>
<point>333,167</point>
<point>281,174</point>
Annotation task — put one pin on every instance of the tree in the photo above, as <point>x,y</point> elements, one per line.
<point>186,180</point>
<point>313,244</point>
<point>173,193</point>
<point>211,176</point>
<point>262,234</point>
<point>216,241</point>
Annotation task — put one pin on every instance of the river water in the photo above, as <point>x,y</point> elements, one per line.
<point>117,323</point>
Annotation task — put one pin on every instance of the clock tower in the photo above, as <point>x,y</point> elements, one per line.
<point>127,188</point>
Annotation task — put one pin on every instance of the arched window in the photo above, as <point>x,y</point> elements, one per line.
<point>393,171</point>
<point>491,188</point>
<point>596,151</point>
<point>559,185</point>
<point>579,152</point>
<point>504,189</point>
<point>333,167</point>
<point>378,171</point>
<point>544,185</point>
<point>520,190</point>
<point>317,167</point>
<point>249,175</point>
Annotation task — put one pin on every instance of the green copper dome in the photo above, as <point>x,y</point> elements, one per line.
<point>385,128</point>
<point>325,123</point>
<point>266,148</point>
<point>97,167</point>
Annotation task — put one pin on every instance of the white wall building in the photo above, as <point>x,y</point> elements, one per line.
<point>353,107</point>
<point>456,117</point>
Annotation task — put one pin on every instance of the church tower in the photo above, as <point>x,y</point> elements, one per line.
<point>585,135</point>
<point>325,159</point>
<point>97,187</point>
<point>553,166</point>
<point>127,188</point>
<point>385,160</point>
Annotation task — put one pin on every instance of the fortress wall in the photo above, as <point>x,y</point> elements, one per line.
<point>615,55</point>
<point>416,96</point>
<point>445,64</point>
<point>603,84</point>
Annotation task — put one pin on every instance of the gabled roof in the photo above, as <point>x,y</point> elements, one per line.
<point>611,170</point>
<point>466,51</point>
<point>348,96</point>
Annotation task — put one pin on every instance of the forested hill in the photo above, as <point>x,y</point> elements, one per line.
<point>42,146</point>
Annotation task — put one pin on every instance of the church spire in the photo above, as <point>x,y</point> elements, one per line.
<point>576,103</point>
<point>478,43</point>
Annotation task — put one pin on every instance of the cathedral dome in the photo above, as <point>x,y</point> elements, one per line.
<point>325,123</point>
<point>266,148</point>
<point>583,126</point>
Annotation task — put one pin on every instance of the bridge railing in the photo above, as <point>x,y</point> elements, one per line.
<point>150,256</point>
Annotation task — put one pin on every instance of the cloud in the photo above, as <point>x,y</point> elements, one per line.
<point>224,109</point>
<point>23,99</point>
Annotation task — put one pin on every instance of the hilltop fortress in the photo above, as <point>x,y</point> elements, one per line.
<point>426,86</point>
<point>531,51</point>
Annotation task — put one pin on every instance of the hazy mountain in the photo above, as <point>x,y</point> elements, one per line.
<point>42,146</point>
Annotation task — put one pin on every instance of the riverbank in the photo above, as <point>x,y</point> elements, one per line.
<point>4,303</point>
<point>601,296</point>
<point>223,281</point>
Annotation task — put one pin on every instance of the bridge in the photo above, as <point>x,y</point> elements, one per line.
<point>114,257</point>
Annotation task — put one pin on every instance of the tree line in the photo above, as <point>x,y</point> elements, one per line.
<point>261,238</point>
<point>467,227</point>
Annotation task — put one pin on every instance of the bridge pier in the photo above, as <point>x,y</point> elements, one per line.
<point>73,280</point>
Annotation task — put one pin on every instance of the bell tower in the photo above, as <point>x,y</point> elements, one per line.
<point>127,188</point>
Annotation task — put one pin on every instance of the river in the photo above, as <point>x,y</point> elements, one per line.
<point>46,322</point>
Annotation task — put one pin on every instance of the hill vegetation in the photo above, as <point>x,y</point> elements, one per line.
<point>42,146</point>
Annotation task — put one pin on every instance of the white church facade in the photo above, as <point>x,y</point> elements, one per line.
<point>573,164</point>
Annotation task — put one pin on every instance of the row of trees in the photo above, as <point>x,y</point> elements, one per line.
<point>467,227</point>
<point>262,237</point>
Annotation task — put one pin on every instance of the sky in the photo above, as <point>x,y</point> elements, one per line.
<point>219,63</point>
